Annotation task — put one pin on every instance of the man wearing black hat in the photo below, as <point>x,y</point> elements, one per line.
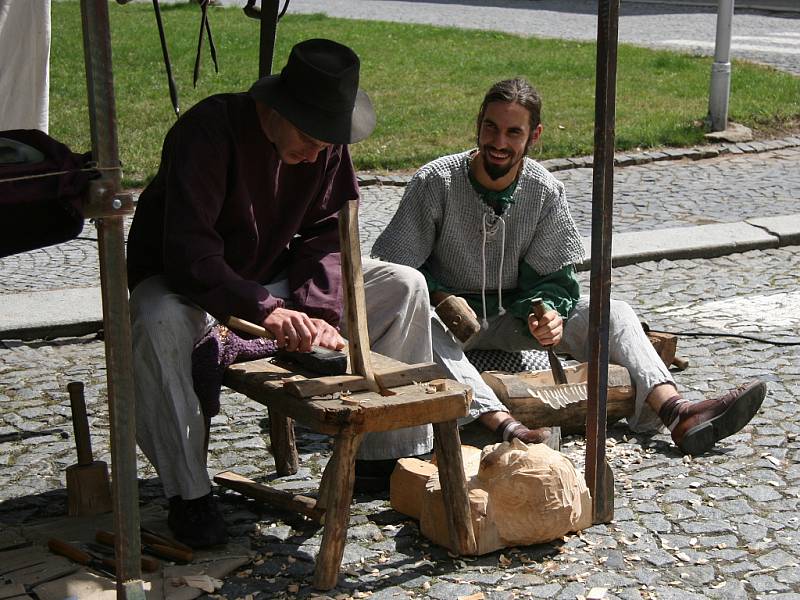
<point>242,220</point>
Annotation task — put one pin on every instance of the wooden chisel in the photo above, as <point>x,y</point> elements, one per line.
<point>160,550</point>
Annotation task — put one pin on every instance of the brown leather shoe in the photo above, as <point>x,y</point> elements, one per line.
<point>702,424</point>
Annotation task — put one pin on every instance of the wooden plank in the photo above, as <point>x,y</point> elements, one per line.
<point>353,290</point>
<point>340,469</point>
<point>274,497</point>
<point>363,411</point>
<point>391,378</point>
<point>53,567</point>
<point>12,591</point>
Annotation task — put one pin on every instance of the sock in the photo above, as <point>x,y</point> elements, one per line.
<point>670,411</point>
<point>511,428</point>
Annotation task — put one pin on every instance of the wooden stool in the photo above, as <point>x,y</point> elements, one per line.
<point>341,407</point>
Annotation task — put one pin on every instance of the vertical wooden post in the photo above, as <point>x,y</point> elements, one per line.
<point>353,290</point>
<point>599,478</point>
<point>114,285</point>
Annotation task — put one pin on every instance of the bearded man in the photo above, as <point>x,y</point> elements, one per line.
<point>493,228</point>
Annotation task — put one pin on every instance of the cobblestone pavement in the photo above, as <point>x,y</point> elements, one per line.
<point>731,187</point>
<point>723,525</point>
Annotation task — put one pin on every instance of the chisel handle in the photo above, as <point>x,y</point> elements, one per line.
<point>538,309</point>
<point>151,537</point>
<point>148,564</point>
<point>79,556</point>
<point>80,422</point>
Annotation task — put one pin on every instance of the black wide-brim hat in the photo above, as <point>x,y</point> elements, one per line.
<point>317,92</point>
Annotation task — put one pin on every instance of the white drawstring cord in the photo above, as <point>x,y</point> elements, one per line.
<point>485,322</point>
<point>501,310</point>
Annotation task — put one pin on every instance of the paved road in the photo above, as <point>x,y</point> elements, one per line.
<point>770,35</point>
<point>770,38</point>
<point>651,196</point>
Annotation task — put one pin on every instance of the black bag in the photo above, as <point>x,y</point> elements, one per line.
<point>42,188</point>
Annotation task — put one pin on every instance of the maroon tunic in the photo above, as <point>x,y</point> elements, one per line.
<point>224,215</point>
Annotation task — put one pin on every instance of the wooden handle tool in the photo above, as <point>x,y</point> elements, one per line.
<point>323,361</point>
<point>106,566</point>
<point>88,486</point>
<point>160,550</point>
<point>538,309</point>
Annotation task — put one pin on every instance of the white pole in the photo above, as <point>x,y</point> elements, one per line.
<point>721,69</point>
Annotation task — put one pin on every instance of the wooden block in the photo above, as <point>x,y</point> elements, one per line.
<point>407,485</point>
<point>88,489</point>
<point>665,344</point>
<point>535,400</point>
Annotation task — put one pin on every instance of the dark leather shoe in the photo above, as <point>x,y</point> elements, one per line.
<point>702,424</point>
<point>197,523</point>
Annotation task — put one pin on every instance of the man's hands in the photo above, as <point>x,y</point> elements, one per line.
<point>297,332</point>
<point>548,329</point>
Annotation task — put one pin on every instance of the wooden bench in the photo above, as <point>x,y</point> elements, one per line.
<point>336,406</point>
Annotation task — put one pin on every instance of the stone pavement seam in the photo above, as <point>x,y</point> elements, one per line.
<point>623,159</point>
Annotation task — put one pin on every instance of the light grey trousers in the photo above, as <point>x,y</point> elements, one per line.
<point>628,346</point>
<point>170,427</point>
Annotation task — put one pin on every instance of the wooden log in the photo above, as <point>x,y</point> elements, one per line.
<point>454,487</point>
<point>269,495</point>
<point>536,401</point>
<point>337,515</point>
<point>281,437</point>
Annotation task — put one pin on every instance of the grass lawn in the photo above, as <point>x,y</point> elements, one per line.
<point>426,83</point>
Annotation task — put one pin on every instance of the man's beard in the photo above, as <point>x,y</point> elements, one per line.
<point>496,172</point>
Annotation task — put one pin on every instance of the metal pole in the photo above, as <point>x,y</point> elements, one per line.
<point>269,29</point>
<point>114,286</point>
<point>721,69</point>
<point>599,478</point>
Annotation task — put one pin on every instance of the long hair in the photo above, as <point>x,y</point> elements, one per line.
<point>514,90</point>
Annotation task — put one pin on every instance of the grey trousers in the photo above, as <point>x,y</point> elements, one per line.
<point>170,427</point>
<point>628,346</point>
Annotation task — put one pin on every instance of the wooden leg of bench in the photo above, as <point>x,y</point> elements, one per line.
<point>281,437</point>
<point>329,484</point>
<point>454,487</point>
<point>338,478</point>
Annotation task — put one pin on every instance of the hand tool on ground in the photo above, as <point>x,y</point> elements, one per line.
<point>106,566</point>
<point>151,537</point>
<point>320,360</point>
<point>100,550</point>
<point>160,550</point>
<point>88,489</point>
<point>538,309</point>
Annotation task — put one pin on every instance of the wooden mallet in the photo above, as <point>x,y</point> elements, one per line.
<point>88,489</point>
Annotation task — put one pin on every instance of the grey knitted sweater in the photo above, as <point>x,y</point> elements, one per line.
<point>444,224</point>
